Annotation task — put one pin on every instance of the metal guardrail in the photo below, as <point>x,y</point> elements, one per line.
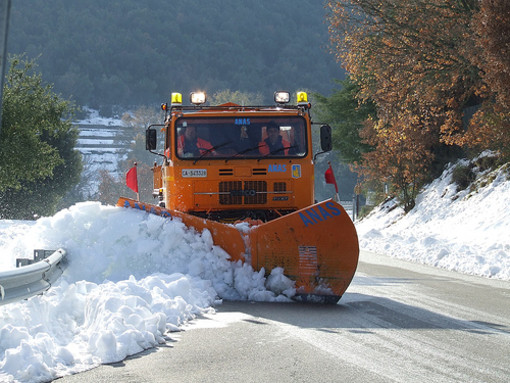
<point>33,277</point>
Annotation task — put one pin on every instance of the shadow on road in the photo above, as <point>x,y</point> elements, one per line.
<point>358,313</point>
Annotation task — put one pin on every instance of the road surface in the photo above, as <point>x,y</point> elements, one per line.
<point>398,322</point>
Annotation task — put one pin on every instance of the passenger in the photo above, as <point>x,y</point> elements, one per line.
<point>274,143</point>
<point>190,145</point>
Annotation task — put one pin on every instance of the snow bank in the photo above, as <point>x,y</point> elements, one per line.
<point>466,231</point>
<point>131,278</point>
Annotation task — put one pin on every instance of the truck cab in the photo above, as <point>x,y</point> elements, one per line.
<point>231,162</point>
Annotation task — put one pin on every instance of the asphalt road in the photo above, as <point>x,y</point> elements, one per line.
<point>397,322</point>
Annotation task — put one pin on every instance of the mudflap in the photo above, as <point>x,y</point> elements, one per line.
<point>317,247</point>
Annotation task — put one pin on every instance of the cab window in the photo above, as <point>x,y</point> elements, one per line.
<point>241,137</point>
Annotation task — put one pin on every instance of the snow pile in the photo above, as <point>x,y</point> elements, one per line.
<point>466,231</point>
<point>131,278</point>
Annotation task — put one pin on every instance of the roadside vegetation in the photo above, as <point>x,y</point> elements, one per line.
<point>428,82</point>
<point>38,163</point>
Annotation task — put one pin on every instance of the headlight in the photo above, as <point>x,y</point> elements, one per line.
<point>198,98</point>
<point>281,97</point>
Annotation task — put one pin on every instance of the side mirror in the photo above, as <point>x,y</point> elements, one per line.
<point>326,141</point>
<point>150,139</point>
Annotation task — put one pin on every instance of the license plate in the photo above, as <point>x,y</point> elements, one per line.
<point>188,173</point>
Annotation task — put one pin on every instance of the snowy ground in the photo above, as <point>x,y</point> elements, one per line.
<point>466,231</point>
<point>132,277</point>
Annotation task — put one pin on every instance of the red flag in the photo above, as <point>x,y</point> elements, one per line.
<point>132,179</point>
<point>330,178</point>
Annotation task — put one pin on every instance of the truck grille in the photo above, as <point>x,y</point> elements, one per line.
<point>239,192</point>
<point>280,187</point>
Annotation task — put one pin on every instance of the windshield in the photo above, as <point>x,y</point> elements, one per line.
<point>240,137</point>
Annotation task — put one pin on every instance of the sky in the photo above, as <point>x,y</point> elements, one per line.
<point>133,277</point>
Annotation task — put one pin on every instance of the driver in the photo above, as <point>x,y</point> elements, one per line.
<point>190,145</point>
<point>274,143</point>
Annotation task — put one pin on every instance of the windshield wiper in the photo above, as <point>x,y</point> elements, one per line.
<point>206,152</point>
<point>279,150</point>
<point>245,151</point>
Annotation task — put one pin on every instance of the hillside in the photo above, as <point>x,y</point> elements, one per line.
<point>103,144</point>
<point>461,230</point>
<point>136,53</point>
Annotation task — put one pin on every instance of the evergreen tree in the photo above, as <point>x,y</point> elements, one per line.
<point>39,163</point>
<point>346,115</point>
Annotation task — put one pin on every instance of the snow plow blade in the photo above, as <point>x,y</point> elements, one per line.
<point>317,246</point>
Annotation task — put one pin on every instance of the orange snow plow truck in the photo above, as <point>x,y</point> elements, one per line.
<point>246,174</point>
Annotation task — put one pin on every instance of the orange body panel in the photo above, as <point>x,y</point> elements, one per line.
<point>201,194</point>
<point>158,182</point>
